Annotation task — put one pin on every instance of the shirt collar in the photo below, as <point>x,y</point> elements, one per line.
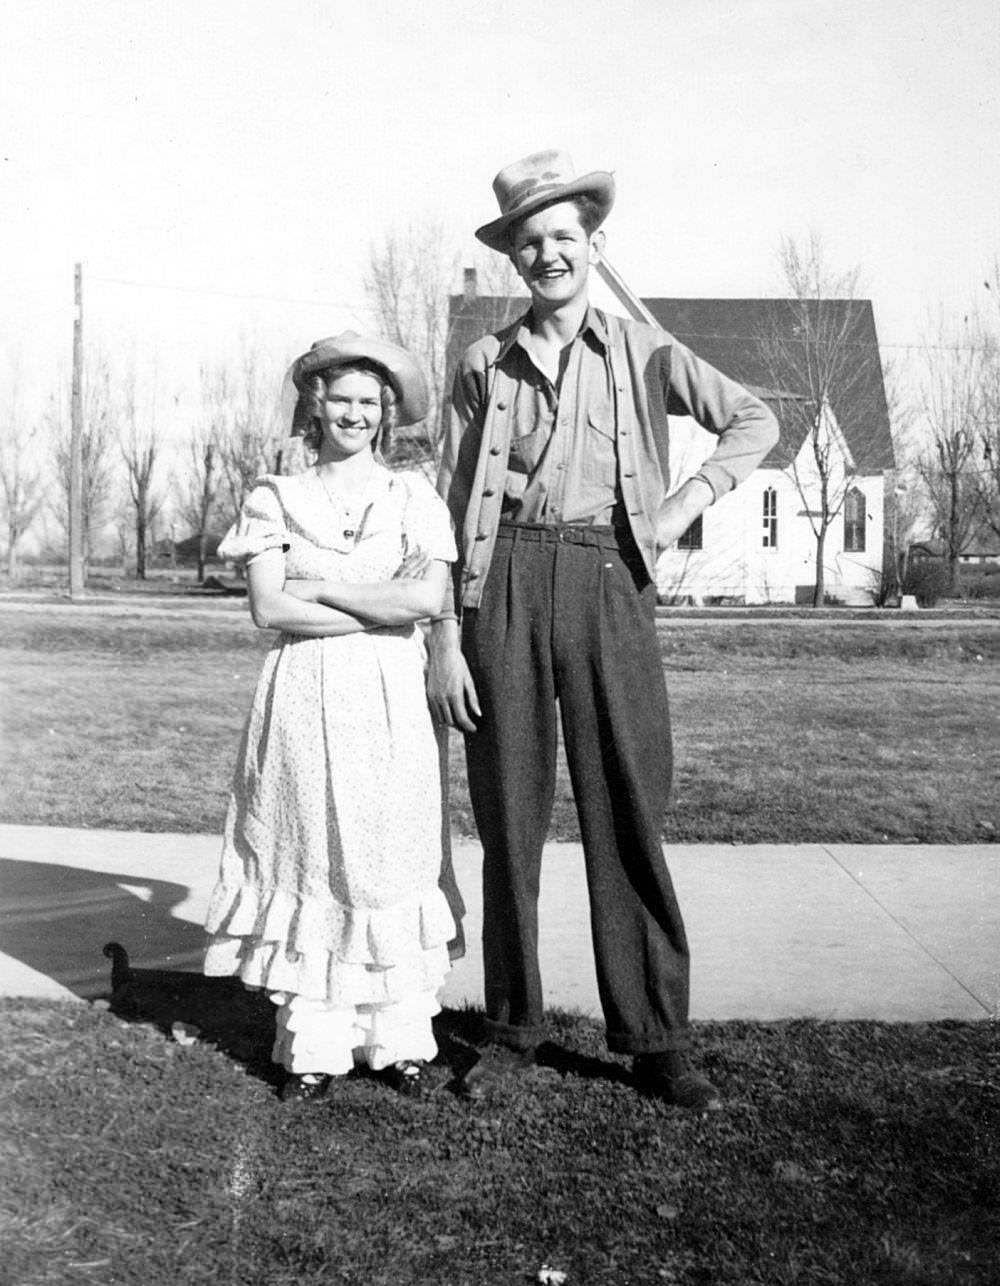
<point>593,322</point>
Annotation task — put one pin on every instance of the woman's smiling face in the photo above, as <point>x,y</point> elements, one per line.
<point>351,414</point>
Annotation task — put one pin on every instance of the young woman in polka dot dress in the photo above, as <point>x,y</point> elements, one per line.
<point>330,891</point>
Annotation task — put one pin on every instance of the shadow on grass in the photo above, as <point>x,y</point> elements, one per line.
<point>239,1023</point>
<point>220,1012</point>
<point>460,1031</point>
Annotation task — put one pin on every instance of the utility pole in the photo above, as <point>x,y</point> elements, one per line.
<point>76,586</point>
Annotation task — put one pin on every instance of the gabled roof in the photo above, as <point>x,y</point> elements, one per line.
<point>734,335</point>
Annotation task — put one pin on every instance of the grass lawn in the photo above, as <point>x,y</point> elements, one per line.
<point>794,730</point>
<point>851,1153</point>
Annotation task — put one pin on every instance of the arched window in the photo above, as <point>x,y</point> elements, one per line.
<point>691,539</point>
<point>855,513</point>
<point>770,540</point>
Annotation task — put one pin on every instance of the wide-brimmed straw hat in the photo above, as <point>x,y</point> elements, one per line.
<point>348,348</point>
<point>541,179</point>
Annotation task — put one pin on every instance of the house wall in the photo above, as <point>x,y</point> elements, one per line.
<point>734,562</point>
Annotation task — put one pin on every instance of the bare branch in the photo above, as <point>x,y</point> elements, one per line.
<point>408,281</point>
<point>139,444</point>
<point>21,491</point>
<point>821,370</point>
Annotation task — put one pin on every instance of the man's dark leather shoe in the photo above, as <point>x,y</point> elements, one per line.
<point>496,1064</point>
<point>669,1077</point>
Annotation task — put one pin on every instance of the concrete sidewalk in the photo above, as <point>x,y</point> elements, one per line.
<point>896,932</point>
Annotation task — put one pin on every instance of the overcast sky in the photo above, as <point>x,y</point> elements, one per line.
<point>221,168</point>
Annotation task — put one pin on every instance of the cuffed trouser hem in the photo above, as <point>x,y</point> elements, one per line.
<point>620,1042</point>
<point>513,1037</point>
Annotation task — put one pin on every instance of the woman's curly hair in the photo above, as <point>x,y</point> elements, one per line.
<point>318,388</point>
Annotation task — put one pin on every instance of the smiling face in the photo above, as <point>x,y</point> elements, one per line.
<point>350,414</point>
<point>552,252</point>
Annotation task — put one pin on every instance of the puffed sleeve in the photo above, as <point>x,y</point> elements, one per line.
<point>260,526</point>
<point>426,521</point>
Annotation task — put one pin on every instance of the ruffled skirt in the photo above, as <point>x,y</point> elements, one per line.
<point>329,880</point>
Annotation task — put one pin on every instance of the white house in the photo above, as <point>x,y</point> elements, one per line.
<point>757,544</point>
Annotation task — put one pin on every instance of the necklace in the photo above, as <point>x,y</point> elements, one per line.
<point>348,509</point>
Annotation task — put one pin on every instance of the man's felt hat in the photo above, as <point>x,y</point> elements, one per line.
<point>541,179</point>
<point>349,349</point>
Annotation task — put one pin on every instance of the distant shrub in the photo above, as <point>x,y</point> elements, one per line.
<point>928,581</point>
<point>981,582</point>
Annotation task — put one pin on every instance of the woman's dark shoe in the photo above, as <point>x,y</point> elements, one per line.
<point>405,1077</point>
<point>301,1088</point>
<point>669,1077</point>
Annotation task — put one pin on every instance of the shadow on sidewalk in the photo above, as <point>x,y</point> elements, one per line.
<point>56,919</point>
<point>59,919</point>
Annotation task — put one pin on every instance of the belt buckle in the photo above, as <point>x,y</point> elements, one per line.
<point>564,535</point>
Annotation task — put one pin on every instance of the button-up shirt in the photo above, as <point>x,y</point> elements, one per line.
<point>563,463</point>
<point>650,375</point>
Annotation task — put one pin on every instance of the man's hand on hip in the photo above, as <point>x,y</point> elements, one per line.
<point>679,511</point>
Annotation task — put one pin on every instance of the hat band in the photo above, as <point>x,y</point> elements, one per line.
<point>527,191</point>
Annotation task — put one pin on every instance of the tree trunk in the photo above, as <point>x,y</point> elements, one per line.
<point>140,544</point>
<point>954,575</point>
<point>12,568</point>
<point>202,542</point>
<point>819,587</point>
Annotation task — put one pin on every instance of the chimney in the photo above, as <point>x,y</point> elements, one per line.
<point>469,289</point>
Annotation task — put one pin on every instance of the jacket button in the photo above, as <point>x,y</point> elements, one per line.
<point>501,406</point>
<point>482,535</point>
<point>494,450</point>
<point>489,492</point>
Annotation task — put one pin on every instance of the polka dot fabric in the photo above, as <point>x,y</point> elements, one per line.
<point>328,887</point>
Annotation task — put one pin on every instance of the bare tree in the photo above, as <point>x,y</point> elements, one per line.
<point>21,491</point>
<point>139,445</point>
<point>820,371</point>
<point>249,431</point>
<point>988,412</point>
<point>408,281</point>
<point>97,443</point>
<point>949,465</point>
<point>504,295</point>
<point>199,471</point>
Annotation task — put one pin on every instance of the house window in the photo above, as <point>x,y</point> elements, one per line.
<point>770,539</point>
<point>855,512</point>
<point>691,539</point>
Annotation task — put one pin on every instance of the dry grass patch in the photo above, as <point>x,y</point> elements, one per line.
<point>791,730</point>
<point>849,1153</point>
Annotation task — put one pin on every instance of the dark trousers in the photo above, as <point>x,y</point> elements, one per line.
<point>568,616</point>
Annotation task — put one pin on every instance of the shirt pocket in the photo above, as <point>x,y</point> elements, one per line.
<point>525,451</point>
<point>600,456</point>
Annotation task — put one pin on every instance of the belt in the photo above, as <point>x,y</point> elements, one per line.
<point>568,534</point>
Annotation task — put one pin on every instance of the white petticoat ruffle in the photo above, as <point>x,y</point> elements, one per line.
<point>314,1037</point>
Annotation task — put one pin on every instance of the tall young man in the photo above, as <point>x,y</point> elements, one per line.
<point>556,469</point>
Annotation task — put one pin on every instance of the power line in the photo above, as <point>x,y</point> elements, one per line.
<point>230,294</point>
<point>490,318</point>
